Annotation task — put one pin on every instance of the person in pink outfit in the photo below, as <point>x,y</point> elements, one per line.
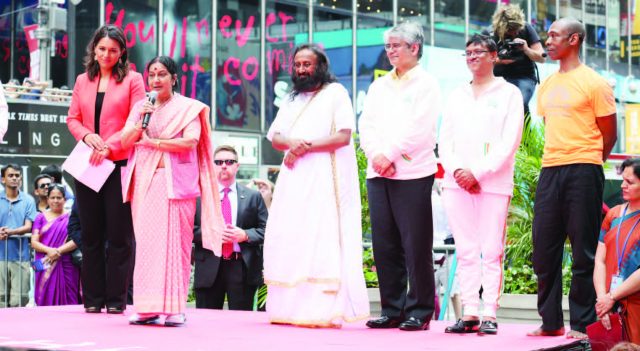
<point>171,164</point>
<point>480,134</point>
<point>102,99</point>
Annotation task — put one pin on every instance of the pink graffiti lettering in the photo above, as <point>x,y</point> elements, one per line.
<point>195,68</point>
<point>284,19</point>
<point>143,33</point>
<point>277,59</point>
<point>183,37</point>
<point>150,33</point>
<point>227,72</point>
<point>200,25</point>
<point>242,38</point>
<point>251,61</point>
<point>223,24</point>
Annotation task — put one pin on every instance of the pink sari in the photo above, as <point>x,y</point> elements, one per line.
<point>163,226</point>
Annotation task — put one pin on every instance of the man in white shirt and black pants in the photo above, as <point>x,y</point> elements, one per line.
<point>398,135</point>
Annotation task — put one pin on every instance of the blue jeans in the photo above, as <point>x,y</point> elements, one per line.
<point>527,86</point>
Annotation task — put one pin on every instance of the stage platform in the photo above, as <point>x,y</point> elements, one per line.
<point>69,328</point>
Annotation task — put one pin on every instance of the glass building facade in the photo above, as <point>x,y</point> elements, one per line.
<point>235,55</point>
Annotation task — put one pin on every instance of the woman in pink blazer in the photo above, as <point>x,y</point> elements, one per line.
<point>102,99</point>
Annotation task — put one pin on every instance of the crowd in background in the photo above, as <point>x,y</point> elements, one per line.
<point>35,90</point>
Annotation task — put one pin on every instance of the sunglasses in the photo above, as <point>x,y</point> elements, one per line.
<point>227,162</point>
<point>44,185</point>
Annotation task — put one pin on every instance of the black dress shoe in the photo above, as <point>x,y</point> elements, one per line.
<point>115,310</point>
<point>413,324</point>
<point>462,327</point>
<point>488,327</point>
<point>92,309</point>
<point>384,322</point>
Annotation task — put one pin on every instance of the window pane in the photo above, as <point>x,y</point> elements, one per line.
<point>5,39</point>
<point>542,15</point>
<point>286,23</point>
<point>449,22</point>
<point>238,65</point>
<point>139,19</point>
<point>87,17</point>
<point>187,40</point>
<point>416,11</point>
<point>480,13</point>
<point>595,43</point>
<point>371,58</point>
<point>23,18</point>
<point>332,30</point>
<point>616,30</point>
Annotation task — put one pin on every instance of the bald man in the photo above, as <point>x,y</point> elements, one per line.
<point>579,111</point>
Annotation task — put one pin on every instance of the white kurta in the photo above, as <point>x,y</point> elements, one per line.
<point>312,269</point>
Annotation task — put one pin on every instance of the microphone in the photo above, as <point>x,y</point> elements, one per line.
<point>147,116</point>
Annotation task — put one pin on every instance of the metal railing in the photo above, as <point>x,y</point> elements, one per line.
<point>450,264</point>
<point>8,290</point>
<point>37,93</point>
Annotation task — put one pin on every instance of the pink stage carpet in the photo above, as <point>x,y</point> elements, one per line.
<point>69,328</point>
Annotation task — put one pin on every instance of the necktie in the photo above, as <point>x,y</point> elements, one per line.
<point>227,248</point>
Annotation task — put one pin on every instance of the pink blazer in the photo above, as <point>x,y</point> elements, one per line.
<point>118,101</point>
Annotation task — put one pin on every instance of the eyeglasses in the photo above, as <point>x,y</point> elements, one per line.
<point>475,53</point>
<point>305,65</point>
<point>395,46</point>
<point>227,162</point>
<point>44,185</point>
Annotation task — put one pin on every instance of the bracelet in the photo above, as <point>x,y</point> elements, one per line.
<point>158,143</point>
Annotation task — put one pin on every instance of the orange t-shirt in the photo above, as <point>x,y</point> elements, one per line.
<point>570,102</point>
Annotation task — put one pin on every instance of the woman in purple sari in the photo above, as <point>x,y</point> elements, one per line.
<point>59,283</point>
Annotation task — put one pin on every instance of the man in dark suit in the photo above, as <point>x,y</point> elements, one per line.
<point>238,273</point>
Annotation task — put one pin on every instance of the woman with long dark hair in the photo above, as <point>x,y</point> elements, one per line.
<point>102,99</point>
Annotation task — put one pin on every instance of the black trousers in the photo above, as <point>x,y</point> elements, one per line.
<point>230,282</point>
<point>568,203</point>
<point>402,227</point>
<point>107,235</point>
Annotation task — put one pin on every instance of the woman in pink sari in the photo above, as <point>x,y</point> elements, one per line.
<point>59,283</point>
<point>170,165</point>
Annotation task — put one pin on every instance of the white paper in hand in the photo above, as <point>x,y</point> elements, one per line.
<point>77,164</point>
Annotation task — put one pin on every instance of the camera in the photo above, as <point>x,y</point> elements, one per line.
<point>510,50</point>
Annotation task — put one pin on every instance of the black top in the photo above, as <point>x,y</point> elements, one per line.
<point>99,100</point>
<point>523,67</point>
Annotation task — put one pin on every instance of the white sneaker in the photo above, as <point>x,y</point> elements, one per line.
<point>175,320</point>
<point>143,318</point>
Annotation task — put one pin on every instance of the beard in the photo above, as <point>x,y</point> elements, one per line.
<point>306,82</point>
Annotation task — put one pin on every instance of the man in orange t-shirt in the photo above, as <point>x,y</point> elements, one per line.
<point>579,112</point>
